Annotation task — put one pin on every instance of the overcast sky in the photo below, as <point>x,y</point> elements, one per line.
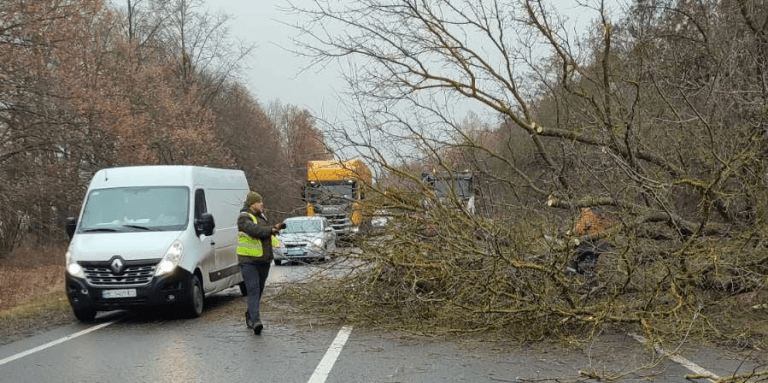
<point>273,73</point>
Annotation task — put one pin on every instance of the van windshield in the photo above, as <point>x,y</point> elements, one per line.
<point>130,209</point>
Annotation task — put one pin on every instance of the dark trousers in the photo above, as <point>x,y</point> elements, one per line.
<point>255,277</point>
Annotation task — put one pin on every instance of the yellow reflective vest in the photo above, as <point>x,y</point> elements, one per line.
<point>251,247</point>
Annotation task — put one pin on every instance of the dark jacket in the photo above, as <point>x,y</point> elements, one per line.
<point>261,230</point>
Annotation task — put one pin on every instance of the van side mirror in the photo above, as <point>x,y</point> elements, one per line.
<point>71,223</point>
<point>205,224</point>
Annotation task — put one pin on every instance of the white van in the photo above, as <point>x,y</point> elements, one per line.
<point>154,235</point>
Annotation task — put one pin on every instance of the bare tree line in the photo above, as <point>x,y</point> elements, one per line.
<point>90,84</point>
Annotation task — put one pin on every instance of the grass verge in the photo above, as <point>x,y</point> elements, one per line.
<point>32,297</point>
<point>34,316</point>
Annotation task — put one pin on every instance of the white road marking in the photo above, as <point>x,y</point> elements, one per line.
<point>55,342</point>
<point>677,358</point>
<point>324,368</point>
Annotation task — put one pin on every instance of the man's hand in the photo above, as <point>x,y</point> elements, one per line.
<point>276,229</point>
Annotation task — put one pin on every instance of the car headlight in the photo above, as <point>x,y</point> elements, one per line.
<point>170,259</point>
<point>73,268</point>
<point>317,242</point>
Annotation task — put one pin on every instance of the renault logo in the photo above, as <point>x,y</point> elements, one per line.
<point>117,266</point>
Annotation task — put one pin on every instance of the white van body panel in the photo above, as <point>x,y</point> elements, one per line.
<point>213,258</point>
<point>132,246</point>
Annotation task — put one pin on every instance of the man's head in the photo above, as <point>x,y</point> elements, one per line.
<point>253,200</point>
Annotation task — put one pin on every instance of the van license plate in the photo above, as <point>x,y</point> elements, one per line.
<point>121,293</point>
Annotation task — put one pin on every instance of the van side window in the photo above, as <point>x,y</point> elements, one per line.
<point>200,206</point>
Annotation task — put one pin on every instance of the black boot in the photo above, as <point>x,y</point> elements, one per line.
<point>248,321</point>
<point>257,327</point>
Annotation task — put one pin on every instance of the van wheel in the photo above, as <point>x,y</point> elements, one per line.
<point>85,314</point>
<point>195,298</point>
<point>278,262</point>
<point>243,289</point>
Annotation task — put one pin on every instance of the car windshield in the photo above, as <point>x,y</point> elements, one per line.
<point>296,226</point>
<point>133,209</point>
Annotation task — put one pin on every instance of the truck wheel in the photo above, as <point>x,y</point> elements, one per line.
<point>84,314</point>
<point>195,298</point>
<point>243,289</point>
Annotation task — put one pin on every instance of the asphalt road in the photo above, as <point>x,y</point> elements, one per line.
<point>217,347</point>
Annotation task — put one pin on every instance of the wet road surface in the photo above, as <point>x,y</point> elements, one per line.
<point>217,347</point>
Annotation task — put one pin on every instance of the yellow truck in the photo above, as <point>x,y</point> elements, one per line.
<point>335,189</point>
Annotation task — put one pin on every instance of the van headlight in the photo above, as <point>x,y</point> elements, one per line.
<point>73,268</point>
<point>317,242</point>
<point>170,259</point>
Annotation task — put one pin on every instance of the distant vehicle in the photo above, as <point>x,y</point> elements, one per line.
<point>380,221</point>
<point>278,251</point>
<point>445,185</point>
<point>306,238</point>
<point>154,235</point>
<point>334,190</point>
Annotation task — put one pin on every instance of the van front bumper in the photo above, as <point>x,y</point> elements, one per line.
<point>171,288</point>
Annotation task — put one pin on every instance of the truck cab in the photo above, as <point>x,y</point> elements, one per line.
<point>446,185</point>
<point>335,190</point>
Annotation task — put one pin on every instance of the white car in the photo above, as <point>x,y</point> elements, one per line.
<point>305,238</point>
<point>380,221</point>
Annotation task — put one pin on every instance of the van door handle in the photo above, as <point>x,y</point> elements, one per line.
<point>213,243</point>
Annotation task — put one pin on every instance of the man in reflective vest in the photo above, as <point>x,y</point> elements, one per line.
<point>254,252</point>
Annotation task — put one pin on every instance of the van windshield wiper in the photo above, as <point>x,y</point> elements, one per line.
<point>137,227</point>
<point>99,229</point>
